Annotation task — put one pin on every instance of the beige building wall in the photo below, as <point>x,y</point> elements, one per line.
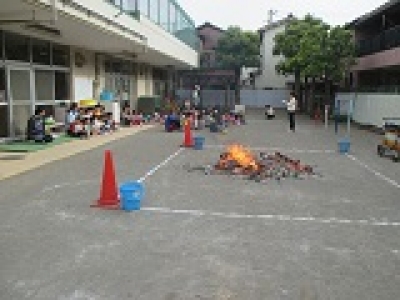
<point>141,82</point>
<point>134,88</point>
<point>149,81</point>
<point>269,78</point>
<point>83,74</point>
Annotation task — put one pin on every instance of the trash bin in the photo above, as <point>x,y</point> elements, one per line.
<point>199,142</point>
<point>344,145</point>
<point>131,195</point>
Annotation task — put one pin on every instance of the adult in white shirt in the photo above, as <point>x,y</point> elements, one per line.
<point>291,106</point>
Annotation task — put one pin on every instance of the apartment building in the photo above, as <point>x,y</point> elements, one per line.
<point>375,78</point>
<point>267,77</point>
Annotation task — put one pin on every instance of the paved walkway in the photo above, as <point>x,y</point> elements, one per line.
<point>12,164</point>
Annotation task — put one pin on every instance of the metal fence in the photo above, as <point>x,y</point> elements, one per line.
<point>260,98</point>
<point>372,108</point>
<point>249,98</point>
<point>209,98</point>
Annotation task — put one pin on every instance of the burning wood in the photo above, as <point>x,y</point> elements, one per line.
<point>238,160</point>
<point>237,156</point>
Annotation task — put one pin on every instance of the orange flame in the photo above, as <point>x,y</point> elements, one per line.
<point>242,156</point>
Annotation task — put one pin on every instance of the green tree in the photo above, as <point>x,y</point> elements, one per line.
<point>300,46</point>
<point>313,55</point>
<point>312,49</point>
<point>237,48</point>
<point>339,55</point>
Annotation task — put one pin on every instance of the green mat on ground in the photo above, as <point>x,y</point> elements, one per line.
<point>31,146</point>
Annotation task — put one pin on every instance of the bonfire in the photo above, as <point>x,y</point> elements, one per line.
<point>238,160</point>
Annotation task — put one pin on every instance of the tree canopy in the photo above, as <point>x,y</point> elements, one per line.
<point>237,48</point>
<point>309,47</point>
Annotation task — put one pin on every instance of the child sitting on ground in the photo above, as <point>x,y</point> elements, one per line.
<point>109,125</point>
<point>97,126</point>
<point>269,112</point>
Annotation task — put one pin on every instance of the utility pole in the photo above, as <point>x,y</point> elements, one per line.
<point>271,14</point>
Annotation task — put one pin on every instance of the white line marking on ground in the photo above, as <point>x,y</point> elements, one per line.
<point>293,150</point>
<point>376,173</point>
<point>232,215</point>
<point>66,184</point>
<point>90,181</point>
<point>160,165</point>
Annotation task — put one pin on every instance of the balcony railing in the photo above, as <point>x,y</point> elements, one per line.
<point>386,40</point>
<point>165,13</point>
<point>383,89</point>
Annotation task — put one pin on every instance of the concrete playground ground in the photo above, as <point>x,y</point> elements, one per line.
<point>198,236</point>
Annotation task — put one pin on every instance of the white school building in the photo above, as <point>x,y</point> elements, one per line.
<point>53,52</point>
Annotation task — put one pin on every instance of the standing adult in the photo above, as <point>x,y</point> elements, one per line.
<point>291,106</point>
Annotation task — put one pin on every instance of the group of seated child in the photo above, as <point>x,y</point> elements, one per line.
<point>174,119</point>
<point>212,118</point>
<point>132,117</point>
<point>86,122</point>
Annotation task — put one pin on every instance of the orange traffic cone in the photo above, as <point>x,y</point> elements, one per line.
<point>188,139</point>
<point>109,198</point>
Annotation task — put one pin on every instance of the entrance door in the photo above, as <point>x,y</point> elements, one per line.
<point>21,104</point>
<point>4,107</point>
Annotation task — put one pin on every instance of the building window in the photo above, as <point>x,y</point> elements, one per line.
<point>116,67</point>
<point>164,14</point>
<point>129,5</point>
<point>172,17</point>
<point>61,84</point>
<point>1,45</point>
<point>17,47</point>
<point>40,52</point>
<point>109,83</point>
<point>61,55</point>
<point>107,66</point>
<point>3,85</point>
<point>144,7</point>
<point>126,68</point>
<point>154,12</point>
<point>43,84</point>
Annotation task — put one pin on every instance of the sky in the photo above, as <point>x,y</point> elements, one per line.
<point>253,14</point>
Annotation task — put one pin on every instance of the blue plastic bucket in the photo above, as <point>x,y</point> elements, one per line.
<point>344,145</point>
<point>132,194</point>
<point>199,142</point>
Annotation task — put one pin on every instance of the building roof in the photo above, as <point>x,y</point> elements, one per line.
<point>276,24</point>
<point>374,13</point>
<point>208,24</point>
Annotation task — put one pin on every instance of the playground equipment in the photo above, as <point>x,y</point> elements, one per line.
<point>390,145</point>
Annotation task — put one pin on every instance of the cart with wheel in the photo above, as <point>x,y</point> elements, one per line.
<point>390,145</point>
